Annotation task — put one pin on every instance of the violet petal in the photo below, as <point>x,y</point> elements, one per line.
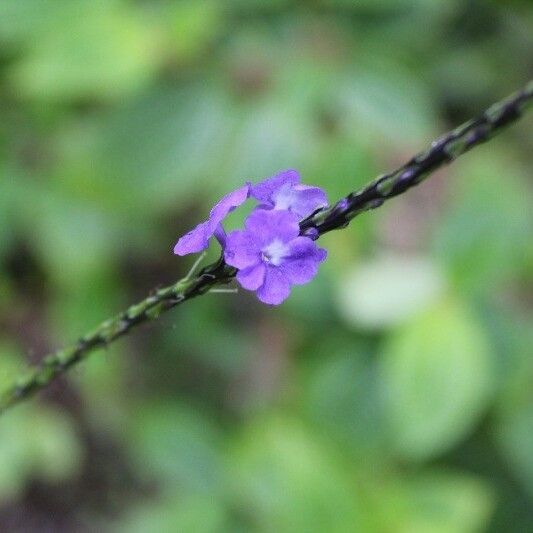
<point>252,277</point>
<point>195,241</point>
<point>264,190</point>
<point>301,265</point>
<point>267,226</point>
<point>275,288</point>
<point>301,200</point>
<point>242,249</point>
<point>227,204</point>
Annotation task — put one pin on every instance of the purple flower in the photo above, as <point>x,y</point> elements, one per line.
<point>270,255</point>
<point>284,192</point>
<point>198,238</point>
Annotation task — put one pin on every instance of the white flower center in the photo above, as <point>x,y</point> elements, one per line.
<point>283,198</point>
<point>274,252</point>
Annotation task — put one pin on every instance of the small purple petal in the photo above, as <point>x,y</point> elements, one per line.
<point>198,238</point>
<point>264,190</point>
<point>275,288</point>
<point>227,204</point>
<point>301,264</point>
<point>252,277</point>
<point>220,235</point>
<point>194,241</point>
<point>268,226</point>
<point>242,249</point>
<point>284,192</point>
<point>321,254</point>
<point>306,200</point>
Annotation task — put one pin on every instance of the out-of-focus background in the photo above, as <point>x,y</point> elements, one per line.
<point>392,394</point>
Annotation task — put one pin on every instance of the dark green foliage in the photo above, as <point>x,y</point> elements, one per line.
<point>121,122</point>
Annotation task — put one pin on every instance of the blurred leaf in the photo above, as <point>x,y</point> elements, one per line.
<point>11,364</point>
<point>269,140</point>
<point>379,5</point>
<point>192,25</point>
<point>340,395</point>
<point>436,380</point>
<point>514,421</point>
<point>200,514</point>
<point>227,347</point>
<point>341,165</point>
<point>259,5</point>
<point>312,304</point>
<point>446,502</point>
<point>12,200</point>
<point>24,19</point>
<point>286,481</point>
<point>101,50</point>
<point>82,303</point>
<point>102,381</point>
<point>381,100</point>
<point>515,438</point>
<point>53,452</point>
<point>6,295</point>
<point>161,149</point>
<point>485,235</point>
<point>74,240</point>
<point>511,336</point>
<point>177,447</point>
<point>5,222</point>
<point>388,290</point>
<point>465,73</point>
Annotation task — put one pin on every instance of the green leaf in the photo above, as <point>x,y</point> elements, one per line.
<point>286,481</point>
<point>513,426</point>
<point>388,290</point>
<point>192,25</point>
<point>178,512</point>
<point>340,395</point>
<point>75,240</point>
<point>11,364</point>
<point>484,237</point>
<point>227,348</point>
<point>269,139</point>
<point>153,151</point>
<point>377,98</point>
<point>447,502</point>
<point>436,378</point>
<point>514,431</point>
<point>93,49</point>
<point>24,19</point>
<point>177,447</point>
<point>337,160</point>
<point>36,443</point>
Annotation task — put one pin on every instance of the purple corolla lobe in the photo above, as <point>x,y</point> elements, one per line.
<point>285,192</point>
<point>271,256</point>
<point>198,238</point>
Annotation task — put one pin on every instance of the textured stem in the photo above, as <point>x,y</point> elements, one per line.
<point>441,151</point>
<point>150,308</point>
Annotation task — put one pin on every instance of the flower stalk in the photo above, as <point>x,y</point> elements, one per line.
<point>442,151</point>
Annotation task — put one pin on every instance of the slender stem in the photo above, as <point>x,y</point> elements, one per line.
<point>442,151</point>
<point>108,331</point>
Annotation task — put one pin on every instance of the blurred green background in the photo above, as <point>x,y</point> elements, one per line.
<point>392,394</point>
